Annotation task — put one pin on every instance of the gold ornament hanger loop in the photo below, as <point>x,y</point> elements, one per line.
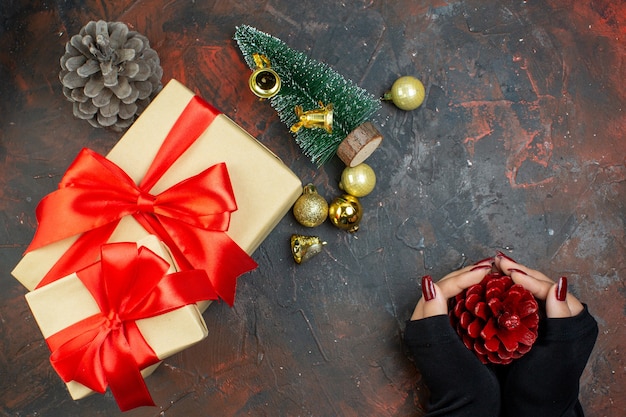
<point>261,60</point>
<point>264,81</point>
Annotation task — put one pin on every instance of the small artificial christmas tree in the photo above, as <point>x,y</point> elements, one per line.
<point>305,85</point>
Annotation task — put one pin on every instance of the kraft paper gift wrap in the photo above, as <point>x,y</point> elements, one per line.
<point>263,186</point>
<point>67,301</point>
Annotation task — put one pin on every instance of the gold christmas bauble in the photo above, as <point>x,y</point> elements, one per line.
<point>358,181</point>
<point>310,209</point>
<point>407,93</point>
<point>345,212</point>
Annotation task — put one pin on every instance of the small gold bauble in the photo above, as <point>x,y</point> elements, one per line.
<point>345,212</point>
<point>310,209</point>
<point>407,93</point>
<point>304,248</point>
<point>358,181</point>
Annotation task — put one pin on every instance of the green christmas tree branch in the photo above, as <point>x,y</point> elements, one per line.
<point>306,82</point>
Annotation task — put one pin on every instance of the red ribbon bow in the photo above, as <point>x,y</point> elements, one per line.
<point>191,217</point>
<point>128,284</point>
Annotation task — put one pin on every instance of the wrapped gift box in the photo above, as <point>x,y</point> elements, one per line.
<point>263,185</point>
<point>67,301</point>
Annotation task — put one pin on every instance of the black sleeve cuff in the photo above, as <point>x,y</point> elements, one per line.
<point>429,331</point>
<point>577,327</point>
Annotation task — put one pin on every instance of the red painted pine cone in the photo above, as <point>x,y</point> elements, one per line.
<point>496,319</point>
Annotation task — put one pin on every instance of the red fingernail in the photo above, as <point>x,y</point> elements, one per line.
<point>517,270</point>
<point>502,255</point>
<point>428,288</point>
<point>561,289</point>
<point>484,260</point>
<point>481,267</point>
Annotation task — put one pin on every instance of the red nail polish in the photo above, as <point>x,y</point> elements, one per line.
<point>484,260</point>
<point>502,255</point>
<point>517,270</point>
<point>561,289</point>
<point>481,267</point>
<point>428,288</point>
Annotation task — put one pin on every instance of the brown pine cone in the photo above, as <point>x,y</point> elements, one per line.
<point>496,319</point>
<point>110,74</point>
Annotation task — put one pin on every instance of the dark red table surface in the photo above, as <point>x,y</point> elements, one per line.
<point>518,147</point>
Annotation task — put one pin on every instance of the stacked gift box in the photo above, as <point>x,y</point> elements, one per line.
<point>185,196</point>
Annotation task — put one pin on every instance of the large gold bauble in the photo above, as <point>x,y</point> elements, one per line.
<point>358,181</point>
<point>310,209</point>
<point>345,212</point>
<point>407,93</point>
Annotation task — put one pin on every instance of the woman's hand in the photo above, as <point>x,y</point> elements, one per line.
<point>434,301</point>
<point>559,303</point>
<point>435,297</point>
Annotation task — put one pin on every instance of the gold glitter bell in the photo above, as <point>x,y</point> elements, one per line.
<point>310,209</point>
<point>321,118</point>
<point>264,81</point>
<point>407,93</point>
<point>345,212</point>
<point>304,248</point>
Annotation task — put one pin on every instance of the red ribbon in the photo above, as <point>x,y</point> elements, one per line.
<point>191,217</point>
<point>107,349</point>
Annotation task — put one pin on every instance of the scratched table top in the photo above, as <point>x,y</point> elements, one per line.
<point>518,147</point>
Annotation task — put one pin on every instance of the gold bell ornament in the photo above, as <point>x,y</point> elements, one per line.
<point>358,181</point>
<point>345,212</point>
<point>264,81</point>
<point>304,248</point>
<point>321,118</point>
<point>310,209</point>
<point>407,93</point>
